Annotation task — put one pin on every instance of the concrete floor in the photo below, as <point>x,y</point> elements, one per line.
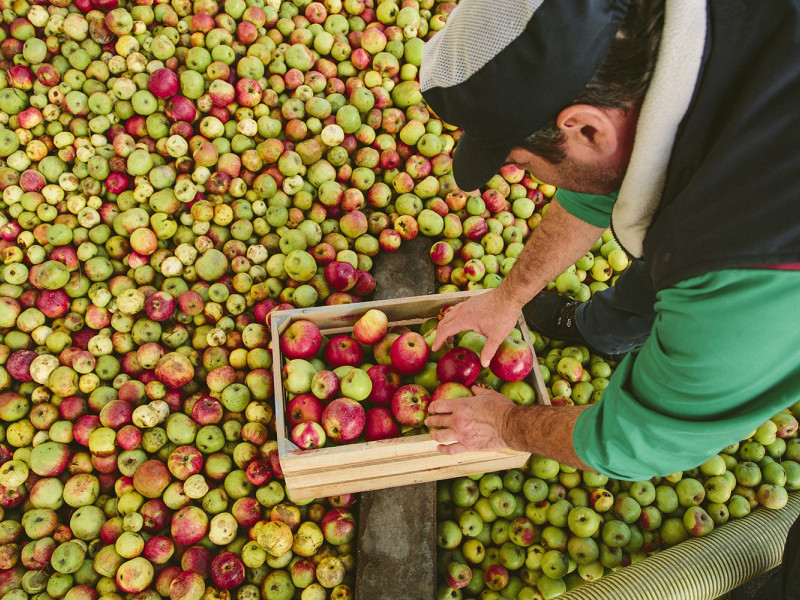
<point>397,526</point>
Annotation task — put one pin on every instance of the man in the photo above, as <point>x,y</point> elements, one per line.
<point>695,123</point>
<point>704,149</point>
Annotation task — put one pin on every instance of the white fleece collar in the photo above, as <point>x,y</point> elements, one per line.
<point>665,104</point>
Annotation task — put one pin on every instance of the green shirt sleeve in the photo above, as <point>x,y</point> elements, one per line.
<point>594,209</point>
<point>719,362</point>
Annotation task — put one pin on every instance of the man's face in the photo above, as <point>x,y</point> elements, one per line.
<point>570,174</point>
<point>597,146</point>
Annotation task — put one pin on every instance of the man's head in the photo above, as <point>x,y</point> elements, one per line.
<point>552,86</point>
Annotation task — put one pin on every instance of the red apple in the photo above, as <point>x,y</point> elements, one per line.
<point>324,384</point>
<point>371,327</point>
<point>163,83</point>
<point>410,405</point>
<point>459,364</point>
<point>323,253</point>
<point>197,559</point>
<point>365,283</point>
<point>259,472</point>
<point>338,526</point>
<point>185,461</point>
<point>451,389</point>
<point>513,360</point>
<point>227,570</point>
<point>151,478</point>
<point>380,425</point>
<point>409,353</point>
<point>302,408</point>
<point>381,348</point>
<point>308,434</point>
<point>340,275</point>
<point>385,382</point>
<point>301,339</point>
<point>389,240</point>
<point>156,515</point>
<point>343,350</point>
<point>343,420</point>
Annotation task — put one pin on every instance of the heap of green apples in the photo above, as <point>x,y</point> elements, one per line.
<point>595,271</point>
<point>536,532</point>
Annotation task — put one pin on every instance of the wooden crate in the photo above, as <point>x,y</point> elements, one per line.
<point>359,467</point>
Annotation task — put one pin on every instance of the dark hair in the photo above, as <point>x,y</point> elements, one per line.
<point>621,79</point>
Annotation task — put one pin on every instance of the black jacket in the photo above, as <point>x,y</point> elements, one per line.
<point>731,194</point>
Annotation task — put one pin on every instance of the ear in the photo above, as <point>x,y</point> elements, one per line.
<point>592,133</point>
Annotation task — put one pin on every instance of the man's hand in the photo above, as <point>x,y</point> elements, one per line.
<point>488,314</point>
<point>490,421</point>
<point>473,423</point>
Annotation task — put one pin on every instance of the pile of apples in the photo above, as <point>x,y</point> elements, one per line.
<point>172,172</point>
<point>378,381</point>
<point>536,532</point>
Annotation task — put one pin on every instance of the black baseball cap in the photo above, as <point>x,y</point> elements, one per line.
<point>502,69</point>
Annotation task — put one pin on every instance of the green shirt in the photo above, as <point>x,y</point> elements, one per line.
<point>721,359</point>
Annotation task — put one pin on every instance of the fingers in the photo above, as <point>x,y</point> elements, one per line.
<point>447,328</point>
<point>440,407</point>
<point>444,436</point>
<point>437,420</point>
<point>480,390</point>
<point>489,349</point>
<point>456,448</point>
<point>438,340</point>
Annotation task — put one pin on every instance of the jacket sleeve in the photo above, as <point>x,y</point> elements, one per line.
<point>719,362</point>
<point>591,208</point>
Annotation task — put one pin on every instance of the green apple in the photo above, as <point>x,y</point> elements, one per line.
<point>533,557</point>
<point>500,532</point>
<point>697,522</point>
<point>690,491</point>
<point>673,531</point>
<point>583,550</point>
<point>666,499</point>
<point>559,513</point>
<point>644,492</point>
<point>513,480</point>
<point>591,571</point>
<point>490,483</point>
<point>616,533</point>
<point>544,468</point>
<point>503,503</point>
<point>448,535</point>
<point>356,385</point>
<point>554,538</point>
<point>583,521</point>
<point>534,489</point>
<point>470,523</point>
<point>718,488</point>
<point>464,492</point>
<point>473,551</point>
<point>512,557</point>
<point>627,509</point>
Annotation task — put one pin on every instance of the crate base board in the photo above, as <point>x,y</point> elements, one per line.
<point>322,483</point>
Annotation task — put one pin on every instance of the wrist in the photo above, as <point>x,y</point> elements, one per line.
<point>507,427</point>
<point>512,297</point>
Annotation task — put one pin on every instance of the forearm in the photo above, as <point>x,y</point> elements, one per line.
<point>558,241</point>
<point>544,430</point>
